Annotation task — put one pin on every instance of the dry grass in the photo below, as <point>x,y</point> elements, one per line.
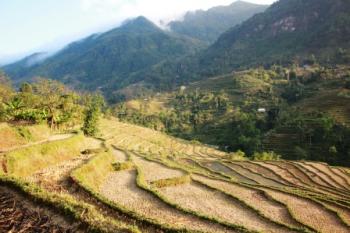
<point>155,171</point>
<point>198,198</point>
<point>314,177</point>
<point>296,175</point>
<point>309,213</point>
<point>295,171</point>
<point>265,171</point>
<point>144,140</point>
<point>94,173</point>
<point>221,168</point>
<point>17,136</point>
<point>322,176</point>
<point>26,161</point>
<point>171,181</point>
<point>284,173</point>
<point>256,177</point>
<point>121,188</point>
<point>254,198</point>
<point>341,174</point>
<point>343,213</point>
<point>341,182</point>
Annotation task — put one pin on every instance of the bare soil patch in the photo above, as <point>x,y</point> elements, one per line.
<point>18,214</point>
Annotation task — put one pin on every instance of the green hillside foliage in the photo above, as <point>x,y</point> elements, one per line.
<point>48,102</point>
<point>209,25</point>
<point>289,32</point>
<point>92,115</point>
<point>224,111</point>
<point>105,61</point>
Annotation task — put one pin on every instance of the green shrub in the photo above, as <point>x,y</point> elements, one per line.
<point>92,114</point>
<point>236,156</point>
<point>266,156</point>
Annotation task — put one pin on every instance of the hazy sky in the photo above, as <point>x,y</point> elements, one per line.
<point>35,25</point>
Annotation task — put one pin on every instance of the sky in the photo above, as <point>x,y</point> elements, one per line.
<point>29,26</point>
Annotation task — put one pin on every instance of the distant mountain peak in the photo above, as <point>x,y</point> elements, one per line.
<point>208,25</point>
<point>139,23</point>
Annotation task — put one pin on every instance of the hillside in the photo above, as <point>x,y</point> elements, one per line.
<point>209,25</point>
<point>299,113</point>
<point>288,32</point>
<point>107,59</point>
<point>135,180</point>
<point>288,29</point>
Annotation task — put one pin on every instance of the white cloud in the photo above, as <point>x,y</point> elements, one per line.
<point>152,9</point>
<point>87,17</point>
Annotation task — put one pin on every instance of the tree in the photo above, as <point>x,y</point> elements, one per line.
<point>51,93</point>
<point>92,114</point>
<point>6,93</point>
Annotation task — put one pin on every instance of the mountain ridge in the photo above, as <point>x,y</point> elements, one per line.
<point>110,56</point>
<point>210,24</point>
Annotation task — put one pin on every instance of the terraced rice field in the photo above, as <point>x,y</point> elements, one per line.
<point>134,179</point>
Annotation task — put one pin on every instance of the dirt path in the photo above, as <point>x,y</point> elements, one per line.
<point>18,214</point>
<point>121,188</point>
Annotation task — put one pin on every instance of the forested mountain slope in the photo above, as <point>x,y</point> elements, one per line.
<point>209,25</point>
<point>109,58</point>
<point>289,31</point>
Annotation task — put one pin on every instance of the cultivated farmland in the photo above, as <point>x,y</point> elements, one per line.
<point>134,179</point>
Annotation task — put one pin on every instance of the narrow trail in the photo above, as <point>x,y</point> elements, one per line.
<point>18,214</point>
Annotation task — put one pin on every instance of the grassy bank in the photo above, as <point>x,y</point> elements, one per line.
<point>24,162</point>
